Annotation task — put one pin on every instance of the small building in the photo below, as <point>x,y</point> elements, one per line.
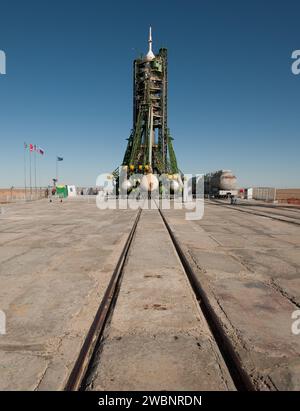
<point>64,191</point>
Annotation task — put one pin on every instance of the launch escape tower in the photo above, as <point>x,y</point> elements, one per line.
<point>150,148</point>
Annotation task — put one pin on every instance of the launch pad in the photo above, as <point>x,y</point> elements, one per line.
<point>247,263</point>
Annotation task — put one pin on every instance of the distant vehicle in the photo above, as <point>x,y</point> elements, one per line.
<point>220,184</point>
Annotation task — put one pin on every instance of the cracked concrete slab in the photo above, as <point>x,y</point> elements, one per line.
<point>158,338</point>
<point>56,261</point>
<point>253,280</point>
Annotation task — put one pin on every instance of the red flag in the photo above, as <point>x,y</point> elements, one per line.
<point>31,148</point>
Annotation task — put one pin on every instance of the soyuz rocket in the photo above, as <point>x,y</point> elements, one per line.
<point>149,149</point>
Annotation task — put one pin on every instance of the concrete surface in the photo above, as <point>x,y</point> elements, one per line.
<point>250,266</point>
<point>56,260</point>
<point>55,263</point>
<point>158,338</point>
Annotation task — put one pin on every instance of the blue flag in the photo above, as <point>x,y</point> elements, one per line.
<point>60,158</point>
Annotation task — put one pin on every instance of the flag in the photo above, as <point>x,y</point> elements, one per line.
<point>31,147</point>
<point>60,158</point>
<point>40,151</point>
<point>25,145</point>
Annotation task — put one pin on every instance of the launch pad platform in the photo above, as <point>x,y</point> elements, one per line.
<point>57,260</point>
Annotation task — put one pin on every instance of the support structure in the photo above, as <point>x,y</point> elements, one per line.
<point>150,147</point>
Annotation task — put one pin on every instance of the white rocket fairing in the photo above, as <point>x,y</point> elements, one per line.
<point>150,55</point>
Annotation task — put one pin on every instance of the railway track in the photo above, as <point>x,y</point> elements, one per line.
<point>271,207</point>
<point>96,330</point>
<point>273,210</point>
<point>78,379</point>
<point>274,216</point>
<point>240,378</point>
<point>294,209</point>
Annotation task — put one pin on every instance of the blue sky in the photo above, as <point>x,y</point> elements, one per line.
<point>233,100</point>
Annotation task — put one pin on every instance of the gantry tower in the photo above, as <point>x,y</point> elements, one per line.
<point>150,148</point>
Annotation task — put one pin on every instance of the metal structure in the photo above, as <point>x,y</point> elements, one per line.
<point>150,147</point>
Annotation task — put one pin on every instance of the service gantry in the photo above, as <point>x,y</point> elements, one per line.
<point>150,148</point>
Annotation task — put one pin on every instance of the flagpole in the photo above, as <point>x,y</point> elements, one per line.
<point>25,182</point>
<point>56,168</point>
<point>30,174</point>
<point>35,187</point>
